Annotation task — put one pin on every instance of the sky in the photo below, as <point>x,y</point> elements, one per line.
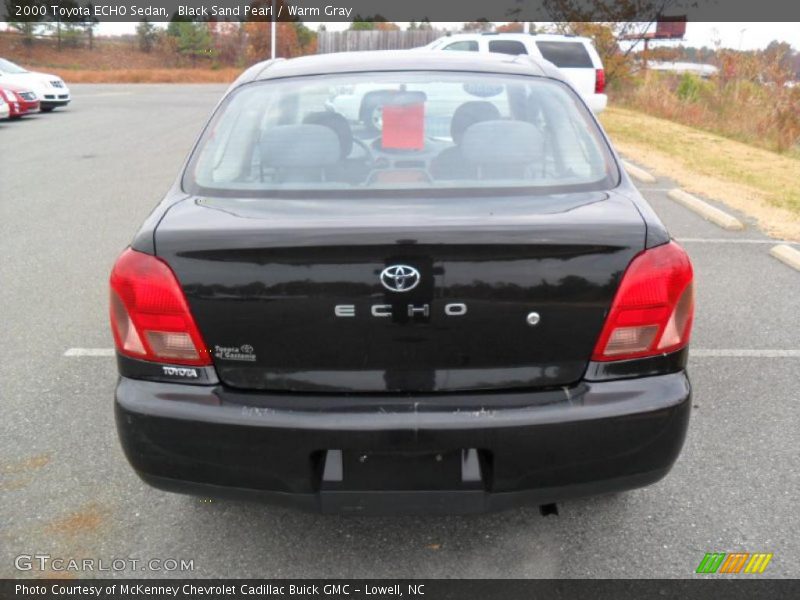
<point>744,36</point>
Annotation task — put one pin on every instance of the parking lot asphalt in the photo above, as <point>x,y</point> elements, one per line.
<point>74,187</point>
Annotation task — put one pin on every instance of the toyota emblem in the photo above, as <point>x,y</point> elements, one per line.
<point>400,278</point>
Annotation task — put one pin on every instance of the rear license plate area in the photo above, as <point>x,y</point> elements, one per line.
<point>353,470</point>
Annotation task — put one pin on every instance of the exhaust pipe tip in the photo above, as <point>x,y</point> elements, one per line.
<point>548,509</point>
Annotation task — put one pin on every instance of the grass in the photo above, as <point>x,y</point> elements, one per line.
<point>758,182</point>
<point>226,75</point>
<point>735,105</point>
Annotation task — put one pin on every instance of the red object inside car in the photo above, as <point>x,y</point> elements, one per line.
<point>404,126</point>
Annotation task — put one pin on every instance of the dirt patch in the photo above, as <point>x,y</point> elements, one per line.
<point>25,465</point>
<point>757,182</point>
<point>86,521</point>
<point>14,484</point>
<point>19,474</point>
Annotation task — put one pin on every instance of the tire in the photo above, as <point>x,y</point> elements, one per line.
<point>374,120</point>
<point>371,112</point>
<point>48,109</point>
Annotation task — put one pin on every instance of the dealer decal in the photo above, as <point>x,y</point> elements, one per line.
<point>245,353</point>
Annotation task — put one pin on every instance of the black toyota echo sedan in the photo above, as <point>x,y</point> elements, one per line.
<point>403,282</point>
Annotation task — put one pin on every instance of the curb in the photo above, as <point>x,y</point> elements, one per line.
<point>787,255</point>
<point>638,173</point>
<point>705,210</point>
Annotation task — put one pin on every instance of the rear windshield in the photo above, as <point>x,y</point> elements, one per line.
<point>566,55</point>
<point>401,131</point>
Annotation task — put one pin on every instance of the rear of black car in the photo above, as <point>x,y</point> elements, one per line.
<point>431,317</point>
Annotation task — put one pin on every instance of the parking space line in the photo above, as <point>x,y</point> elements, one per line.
<point>694,352</point>
<point>742,353</point>
<point>733,241</point>
<point>80,352</point>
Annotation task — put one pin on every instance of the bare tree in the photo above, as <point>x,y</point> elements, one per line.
<point>30,25</point>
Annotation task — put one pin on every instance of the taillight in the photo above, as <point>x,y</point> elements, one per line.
<point>599,81</point>
<point>653,309</point>
<point>150,318</point>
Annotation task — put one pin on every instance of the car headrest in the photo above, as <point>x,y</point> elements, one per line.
<point>503,143</point>
<point>338,124</point>
<point>468,114</point>
<point>288,146</point>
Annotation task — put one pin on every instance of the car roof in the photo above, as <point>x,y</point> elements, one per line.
<point>399,60</point>
<point>534,37</point>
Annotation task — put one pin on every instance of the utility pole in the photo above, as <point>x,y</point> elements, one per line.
<point>272,32</point>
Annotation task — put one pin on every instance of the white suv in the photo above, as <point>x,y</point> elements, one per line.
<point>575,56</point>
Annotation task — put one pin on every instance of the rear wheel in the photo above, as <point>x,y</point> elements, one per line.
<point>375,119</point>
<point>371,113</point>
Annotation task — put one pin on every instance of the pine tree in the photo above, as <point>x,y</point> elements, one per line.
<point>147,34</point>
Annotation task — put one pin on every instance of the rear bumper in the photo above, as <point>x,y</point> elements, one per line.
<point>597,102</point>
<point>315,453</point>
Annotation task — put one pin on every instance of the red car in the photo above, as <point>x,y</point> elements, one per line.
<point>20,100</point>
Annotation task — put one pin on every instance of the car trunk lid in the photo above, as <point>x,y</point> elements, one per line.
<point>512,292</point>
